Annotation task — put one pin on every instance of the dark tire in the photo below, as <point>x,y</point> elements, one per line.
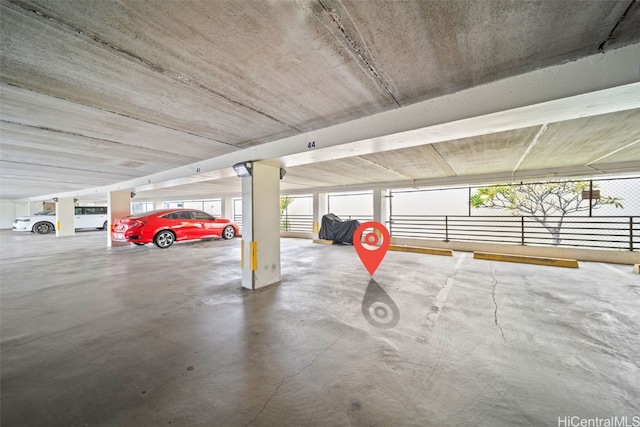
<point>43,227</point>
<point>104,226</point>
<point>164,239</point>
<point>228,233</point>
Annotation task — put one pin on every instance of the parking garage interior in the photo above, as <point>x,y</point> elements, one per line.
<point>393,112</point>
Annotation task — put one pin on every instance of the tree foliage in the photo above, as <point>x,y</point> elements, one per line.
<point>547,203</point>
<point>284,204</point>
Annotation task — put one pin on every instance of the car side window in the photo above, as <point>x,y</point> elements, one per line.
<point>201,215</point>
<point>95,210</point>
<point>90,210</point>
<point>179,215</point>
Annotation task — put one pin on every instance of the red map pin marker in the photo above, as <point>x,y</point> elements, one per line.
<point>373,250</point>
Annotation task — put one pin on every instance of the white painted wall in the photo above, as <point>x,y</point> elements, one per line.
<point>8,211</point>
<point>24,208</point>
<point>28,208</point>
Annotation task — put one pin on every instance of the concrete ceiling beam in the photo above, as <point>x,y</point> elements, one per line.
<point>608,82</point>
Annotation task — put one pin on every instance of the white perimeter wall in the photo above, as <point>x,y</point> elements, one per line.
<point>8,212</point>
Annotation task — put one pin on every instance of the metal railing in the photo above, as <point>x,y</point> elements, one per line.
<point>296,223</point>
<point>304,223</point>
<point>611,232</point>
<point>237,218</point>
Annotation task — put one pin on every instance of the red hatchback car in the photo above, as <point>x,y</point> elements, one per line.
<point>165,226</point>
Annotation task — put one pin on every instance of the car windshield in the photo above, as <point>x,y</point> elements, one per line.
<point>50,213</point>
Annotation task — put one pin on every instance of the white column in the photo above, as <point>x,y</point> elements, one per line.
<point>319,209</point>
<point>158,205</point>
<point>380,206</point>
<point>227,207</point>
<point>65,216</point>
<point>261,226</point>
<point>35,207</point>
<point>9,211</point>
<point>118,206</point>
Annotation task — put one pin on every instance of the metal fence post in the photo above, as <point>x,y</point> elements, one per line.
<point>590,198</point>
<point>446,228</point>
<point>522,230</point>
<point>390,206</point>
<point>631,233</point>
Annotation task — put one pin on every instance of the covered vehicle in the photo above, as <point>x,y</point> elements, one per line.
<point>333,228</point>
<point>163,227</point>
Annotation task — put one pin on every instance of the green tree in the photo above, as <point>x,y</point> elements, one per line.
<point>284,204</point>
<point>547,203</point>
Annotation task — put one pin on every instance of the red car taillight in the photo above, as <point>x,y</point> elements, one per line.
<point>136,223</point>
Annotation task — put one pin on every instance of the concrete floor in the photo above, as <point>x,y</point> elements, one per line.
<point>138,336</point>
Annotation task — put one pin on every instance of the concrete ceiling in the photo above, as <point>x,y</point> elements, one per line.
<point>99,93</point>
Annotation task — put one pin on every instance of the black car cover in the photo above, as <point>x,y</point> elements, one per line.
<point>333,228</point>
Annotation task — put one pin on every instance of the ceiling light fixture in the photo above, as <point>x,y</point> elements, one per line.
<point>243,169</point>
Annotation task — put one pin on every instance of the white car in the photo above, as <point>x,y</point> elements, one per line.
<point>44,222</point>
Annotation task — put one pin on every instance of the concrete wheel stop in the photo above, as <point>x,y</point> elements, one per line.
<point>421,250</point>
<point>525,259</point>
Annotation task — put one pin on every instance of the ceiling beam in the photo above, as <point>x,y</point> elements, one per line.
<point>608,82</point>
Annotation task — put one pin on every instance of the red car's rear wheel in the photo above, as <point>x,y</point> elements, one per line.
<point>164,239</point>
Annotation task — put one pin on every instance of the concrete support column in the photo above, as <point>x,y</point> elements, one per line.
<point>380,206</point>
<point>65,217</point>
<point>158,205</point>
<point>227,207</point>
<point>118,206</point>
<point>35,207</point>
<point>319,209</point>
<point>261,227</point>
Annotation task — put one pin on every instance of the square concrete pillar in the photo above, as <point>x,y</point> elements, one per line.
<point>158,205</point>
<point>380,210</point>
<point>261,226</point>
<point>227,207</point>
<point>319,209</point>
<point>118,206</point>
<point>65,217</point>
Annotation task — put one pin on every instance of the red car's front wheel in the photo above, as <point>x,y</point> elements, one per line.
<point>229,232</point>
